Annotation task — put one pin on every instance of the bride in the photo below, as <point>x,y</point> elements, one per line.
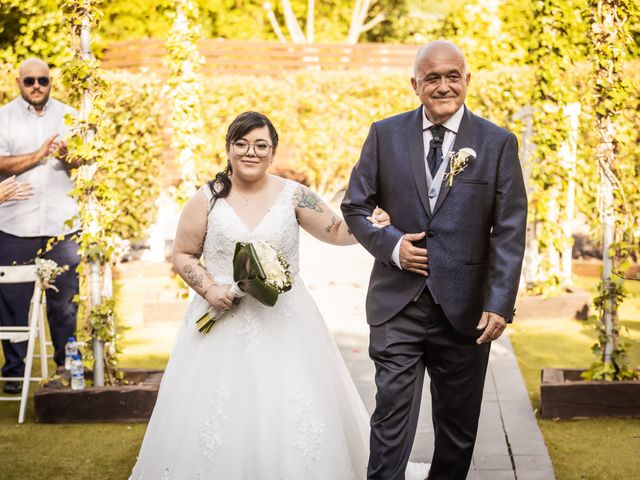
<point>265,395</point>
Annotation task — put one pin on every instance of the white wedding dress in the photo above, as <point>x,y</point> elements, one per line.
<point>265,395</point>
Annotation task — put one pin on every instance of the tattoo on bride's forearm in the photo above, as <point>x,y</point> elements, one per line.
<point>329,227</point>
<point>193,277</point>
<point>199,264</point>
<point>305,198</point>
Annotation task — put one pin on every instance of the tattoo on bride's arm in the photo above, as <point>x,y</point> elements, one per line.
<point>305,198</point>
<point>330,226</point>
<point>193,277</point>
<point>197,257</point>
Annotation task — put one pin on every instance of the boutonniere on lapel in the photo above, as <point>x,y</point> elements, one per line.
<point>458,161</point>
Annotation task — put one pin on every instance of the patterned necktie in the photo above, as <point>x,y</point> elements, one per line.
<point>434,157</point>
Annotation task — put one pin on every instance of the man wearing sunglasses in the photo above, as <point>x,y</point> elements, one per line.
<point>32,152</point>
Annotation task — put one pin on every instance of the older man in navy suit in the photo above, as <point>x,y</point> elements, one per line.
<point>446,273</point>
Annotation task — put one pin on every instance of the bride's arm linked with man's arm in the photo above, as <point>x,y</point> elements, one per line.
<point>314,215</point>
<point>390,246</point>
<point>187,250</point>
<point>317,218</point>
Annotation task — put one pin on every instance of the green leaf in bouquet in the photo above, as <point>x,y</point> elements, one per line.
<point>250,276</point>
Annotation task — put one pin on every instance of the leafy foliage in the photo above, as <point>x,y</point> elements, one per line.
<point>477,28</point>
<point>556,42</point>
<point>101,325</point>
<point>551,37</point>
<point>184,92</point>
<point>130,181</point>
<point>610,36</point>
<point>83,78</point>
<point>32,28</point>
<point>125,19</point>
<point>118,184</point>
<point>626,167</point>
<point>322,120</point>
<point>247,19</point>
<point>610,293</point>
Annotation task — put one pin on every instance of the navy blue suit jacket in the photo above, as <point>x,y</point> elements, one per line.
<point>475,235</point>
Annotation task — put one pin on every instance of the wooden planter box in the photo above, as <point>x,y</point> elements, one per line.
<point>127,403</point>
<point>565,395</point>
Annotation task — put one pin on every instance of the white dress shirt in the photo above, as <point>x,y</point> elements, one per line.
<point>23,131</point>
<point>452,125</point>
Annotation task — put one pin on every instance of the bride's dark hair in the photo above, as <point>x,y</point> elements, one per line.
<point>241,125</point>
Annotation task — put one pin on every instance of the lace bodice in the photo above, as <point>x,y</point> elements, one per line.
<point>279,227</point>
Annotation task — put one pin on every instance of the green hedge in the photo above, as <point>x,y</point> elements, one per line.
<point>323,118</point>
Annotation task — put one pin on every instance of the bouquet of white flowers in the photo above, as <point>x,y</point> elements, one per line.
<point>48,271</point>
<point>258,270</point>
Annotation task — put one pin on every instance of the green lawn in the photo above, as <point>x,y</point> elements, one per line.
<point>599,449</point>
<point>84,451</point>
<point>580,450</point>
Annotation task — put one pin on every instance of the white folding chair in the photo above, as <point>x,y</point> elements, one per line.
<point>34,329</point>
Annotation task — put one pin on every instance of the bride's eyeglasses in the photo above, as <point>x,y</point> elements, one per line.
<point>261,149</point>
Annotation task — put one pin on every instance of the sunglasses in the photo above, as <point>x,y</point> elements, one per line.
<point>31,81</point>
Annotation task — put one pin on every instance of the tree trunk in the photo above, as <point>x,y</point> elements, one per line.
<point>358,17</point>
<point>553,217</point>
<point>292,23</point>
<point>310,21</point>
<point>606,156</point>
<point>356,28</point>
<point>94,268</point>
<point>569,160</point>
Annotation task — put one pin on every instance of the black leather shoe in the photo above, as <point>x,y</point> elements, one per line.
<point>12,387</point>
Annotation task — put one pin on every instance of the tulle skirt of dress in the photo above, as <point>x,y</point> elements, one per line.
<point>265,395</point>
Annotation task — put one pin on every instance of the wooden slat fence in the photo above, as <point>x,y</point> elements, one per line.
<point>232,57</point>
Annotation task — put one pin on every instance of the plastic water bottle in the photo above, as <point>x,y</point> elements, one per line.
<point>70,349</point>
<point>77,373</point>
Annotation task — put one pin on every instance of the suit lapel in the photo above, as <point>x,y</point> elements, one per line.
<point>463,139</point>
<point>416,156</point>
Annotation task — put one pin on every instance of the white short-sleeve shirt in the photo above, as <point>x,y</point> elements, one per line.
<point>23,131</point>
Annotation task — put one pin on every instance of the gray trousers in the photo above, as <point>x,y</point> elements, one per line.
<point>420,337</point>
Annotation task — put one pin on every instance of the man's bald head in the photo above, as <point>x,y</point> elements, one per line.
<point>440,80</point>
<point>34,82</point>
<point>31,64</point>
<point>435,47</point>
